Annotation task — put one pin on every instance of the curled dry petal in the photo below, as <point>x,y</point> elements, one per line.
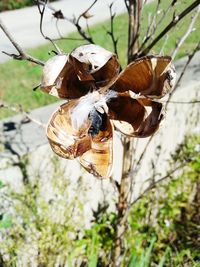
<point>92,55</point>
<point>135,117</point>
<point>124,108</point>
<point>88,77</point>
<point>65,139</point>
<point>86,69</point>
<point>51,72</point>
<point>151,76</point>
<point>69,135</point>
<point>98,160</point>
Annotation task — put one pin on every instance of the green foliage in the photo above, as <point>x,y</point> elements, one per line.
<point>5,221</point>
<point>171,212</point>
<point>15,4</point>
<point>163,226</point>
<point>43,226</point>
<point>1,184</point>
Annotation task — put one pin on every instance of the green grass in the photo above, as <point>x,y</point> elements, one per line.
<point>15,4</point>
<point>18,78</point>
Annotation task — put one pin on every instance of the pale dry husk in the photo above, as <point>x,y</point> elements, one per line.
<point>69,138</point>
<point>89,78</point>
<point>87,68</point>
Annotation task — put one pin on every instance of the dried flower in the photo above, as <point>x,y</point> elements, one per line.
<point>100,97</point>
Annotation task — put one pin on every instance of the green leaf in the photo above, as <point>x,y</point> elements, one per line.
<point>1,184</point>
<point>6,221</point>
<point>133,261</point>
<point>147,257</point>
<point>93,260</point>
<point>164,258</point>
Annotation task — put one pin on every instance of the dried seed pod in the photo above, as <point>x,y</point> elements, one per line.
<point>99,159</point>
<point>51,72</point>
<point>143,122</point>
<point>70,136</point>
<point>151,76</point>
<point>86,69</point>
<point>98,62</point>
<point>124,108</point>
<point>65,139</point>
<point>98,96</point>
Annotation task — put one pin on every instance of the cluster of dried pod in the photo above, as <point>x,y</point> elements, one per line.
<point>100,97</point>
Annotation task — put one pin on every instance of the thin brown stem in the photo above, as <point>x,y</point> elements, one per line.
<point>190,57</point>
<point>149,34</point>
<point>111,32</point>
<point>134,13</point>
<point>42,11</point>
<point>22,54</point>
<point>19,109</point>
<point>122,204</point>
<point>86,11</point>
<point>189,30</point>
<point>173,23</point>
<point>155,183</point>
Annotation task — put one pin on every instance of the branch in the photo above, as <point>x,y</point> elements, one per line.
<point>79,28</point>
<point>190,57</point>
<point>58,14</point>
<point>151,26</point>
<point>22,54</point>
<point>155,183</point>
<point>189,30</point>
<point>165,12</point>
<point>20,110</point>
<point>164,44</point>
<point>111,32</point>
<point>41,11</point>
<point>134,13</point>
<point>86,11</point>
<point>172,24</point>
<point>122,204</point>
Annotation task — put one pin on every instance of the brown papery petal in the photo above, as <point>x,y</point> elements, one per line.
<point>149,125</point>
<point>92,55</point>
<point>126,109</point>
<point>60,79</point>
<point>65,140</point>
<point>151,76</point>
<point>51,72</point>
<point>98,160</point>
<point>107,74</point>
<point>71,81</point>
<point>97,62</point>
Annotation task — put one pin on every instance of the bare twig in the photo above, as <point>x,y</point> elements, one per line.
<point>85,35</point>
<point>182,102</point>
<point>22,54</point>
<point>155,183</point>
<point>172,24</point>
<point>126,4</point>
<point>151,25</point>
<point>86,11</point>
<point>189,30</point>
<point>61,37</point>
<point>190,57</point>
<point>164,44</point>
<point>111,32</point>
<point>41,11</point>
<point>153,30</point>
<point>134,13</point>
<point>122,204</point>
<point>19,109</point>
<point>58,14</point>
